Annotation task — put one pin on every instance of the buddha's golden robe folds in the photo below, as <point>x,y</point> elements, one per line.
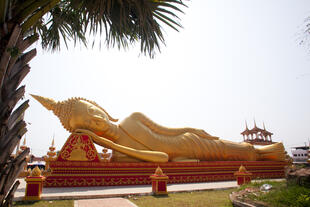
<point>185,144</point>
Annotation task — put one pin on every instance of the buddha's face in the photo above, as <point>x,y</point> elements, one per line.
<point>88,116</point>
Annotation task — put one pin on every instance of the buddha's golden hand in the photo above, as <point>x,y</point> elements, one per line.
<point>103,141</point>
<point>145,155</point>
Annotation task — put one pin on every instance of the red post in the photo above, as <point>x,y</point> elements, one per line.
<point>34,185</point>
<point>159,182</point>
<point>243,176</point>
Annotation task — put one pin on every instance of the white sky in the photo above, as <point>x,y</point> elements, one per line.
<point>235,60</point>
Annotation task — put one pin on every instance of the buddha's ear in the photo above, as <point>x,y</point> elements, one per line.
<point>97,118</point>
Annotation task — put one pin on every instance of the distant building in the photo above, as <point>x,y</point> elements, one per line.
<point>257,136</point>
<point>300,154</point>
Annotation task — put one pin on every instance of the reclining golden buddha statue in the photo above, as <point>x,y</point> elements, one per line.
<point>137,138</point>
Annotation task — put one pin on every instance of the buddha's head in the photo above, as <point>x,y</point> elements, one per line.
<point>79,113</point>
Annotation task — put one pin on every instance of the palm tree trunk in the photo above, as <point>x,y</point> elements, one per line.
<point>125,22</point>
<point>14,59</point>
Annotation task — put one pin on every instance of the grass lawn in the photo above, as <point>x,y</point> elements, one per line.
<point>215,198</point>
<point>281,194</point>
<point>62,203</point>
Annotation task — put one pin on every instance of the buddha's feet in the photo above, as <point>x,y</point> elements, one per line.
<point>273,152</point>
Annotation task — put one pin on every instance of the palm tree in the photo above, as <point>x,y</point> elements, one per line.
<point>23,22</point>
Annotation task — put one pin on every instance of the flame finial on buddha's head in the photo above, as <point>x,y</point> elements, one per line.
<point>64,109</point>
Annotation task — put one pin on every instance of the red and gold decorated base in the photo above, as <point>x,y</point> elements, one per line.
<point>243,177</point>
<point>33,188</point>
<point>72,169</point>
<point>159,184</point>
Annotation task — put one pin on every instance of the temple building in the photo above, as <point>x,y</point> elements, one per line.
<point>257,136</point>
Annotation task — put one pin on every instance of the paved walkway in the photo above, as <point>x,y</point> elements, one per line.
<point>117,191</point>
<point>107,196</point>
<point>105,202</point>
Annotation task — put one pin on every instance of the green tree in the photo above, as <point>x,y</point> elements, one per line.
<point>23,22</point>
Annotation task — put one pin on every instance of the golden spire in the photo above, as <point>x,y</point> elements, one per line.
<point>242,169</point>
<point>53,142</point>
<point>23,147</point>
<point>52,147</point>
<point>159,171</point>
<point>51,156</point>
<point>36,172</point>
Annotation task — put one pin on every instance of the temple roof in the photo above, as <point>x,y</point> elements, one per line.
<point>265,132</point>
<point>246,131</point>
<point>255,130</point>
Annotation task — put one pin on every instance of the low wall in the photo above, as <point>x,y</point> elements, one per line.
<point>87,173</point>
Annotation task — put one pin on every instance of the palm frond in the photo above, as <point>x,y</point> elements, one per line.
<point>120,22</point>
<point>61,23</point>
<point>129,21</point>
<point>27,8</point>
<point>38,14</point>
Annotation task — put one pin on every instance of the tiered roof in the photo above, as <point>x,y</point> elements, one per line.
<point>257,135</point>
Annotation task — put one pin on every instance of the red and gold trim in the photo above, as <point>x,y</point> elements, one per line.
<point>110,174</point>
<point>78,147</point>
